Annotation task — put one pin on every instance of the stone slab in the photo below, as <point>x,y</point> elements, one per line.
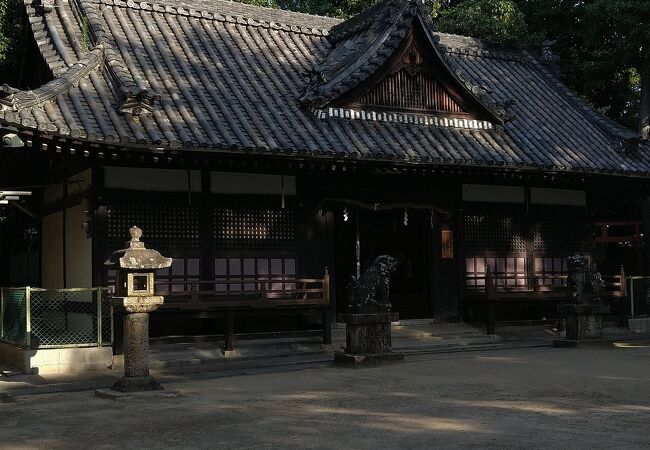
<point>229,353</point>
<point>110,394</point>
<point>639,325</point>
<point>352,361</point>
<point>584,343</point>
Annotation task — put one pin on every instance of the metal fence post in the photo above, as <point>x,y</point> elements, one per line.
<point>28,316</point>
<point>99,317</point>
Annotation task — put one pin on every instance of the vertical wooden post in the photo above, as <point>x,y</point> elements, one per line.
<point>327,316</point>
<point>489,283</point>
<point>230,331</point>
<point>357,245</point>
<point>490,319</point>
<point>2,313</point>
<point>489,293</point>
<point>99,317</point>
<point>194,293</point>
<point>536,287</point>
<point>623,284</point>
<point>326,286</point>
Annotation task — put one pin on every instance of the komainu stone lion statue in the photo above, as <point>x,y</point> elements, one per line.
<point>369,292</point>
<point>583,286</point>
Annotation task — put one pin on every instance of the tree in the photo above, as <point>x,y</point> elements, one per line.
<point>496,21</point>
<point>617,39</point>
<point>603,44</point>
<point>12,38</point>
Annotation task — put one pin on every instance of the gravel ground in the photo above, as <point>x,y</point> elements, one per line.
<point>526,398</point>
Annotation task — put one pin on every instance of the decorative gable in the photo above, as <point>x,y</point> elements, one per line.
<point>411,85</point>
<point>385,64</point>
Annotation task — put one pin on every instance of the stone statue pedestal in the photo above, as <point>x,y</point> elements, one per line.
<point>584,325</point>
<point>368,340</point>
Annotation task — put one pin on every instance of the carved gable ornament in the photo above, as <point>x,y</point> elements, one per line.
<point>411,84</point>
<point>385,64</point>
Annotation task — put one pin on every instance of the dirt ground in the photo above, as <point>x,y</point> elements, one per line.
<point>525,398</point>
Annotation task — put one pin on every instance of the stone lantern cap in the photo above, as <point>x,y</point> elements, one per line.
<point>137,257</point>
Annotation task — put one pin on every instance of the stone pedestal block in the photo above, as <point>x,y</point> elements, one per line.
<point>584,324</point>
<point>368,340</point>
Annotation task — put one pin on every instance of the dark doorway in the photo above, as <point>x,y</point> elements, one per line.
<point>385,233</point>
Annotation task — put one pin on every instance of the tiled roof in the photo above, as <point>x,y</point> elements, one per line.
<point>218,76</point>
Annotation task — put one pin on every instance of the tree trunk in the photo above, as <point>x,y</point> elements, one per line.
<point>644,107</point>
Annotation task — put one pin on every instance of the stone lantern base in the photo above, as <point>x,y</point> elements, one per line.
<point>368,340</point>
<point>584,325</point>
<point>136,344</point>
<point>137,384</point>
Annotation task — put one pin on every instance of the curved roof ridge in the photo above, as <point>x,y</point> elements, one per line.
<point>136,98</point>
<point>26,99</point>
<point>235,12</point>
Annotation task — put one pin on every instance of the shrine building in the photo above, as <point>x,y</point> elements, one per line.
<point>258,144</point>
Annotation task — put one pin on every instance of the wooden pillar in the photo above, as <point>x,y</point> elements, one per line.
<point>99,228</point>
<point>206,228</point>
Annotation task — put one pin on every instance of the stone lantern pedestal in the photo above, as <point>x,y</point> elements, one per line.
<point>136,344</point>
<point>134,292</point>
<point>367,340</point>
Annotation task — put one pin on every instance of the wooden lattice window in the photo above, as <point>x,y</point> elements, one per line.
<point>507,271</point>
<point>175,278</point>
<point>254,229</point>
<point>548,269</point>
<point>280,270</point>
<point>560,235</point>
<point>498,234</point>
<point>166,228</point>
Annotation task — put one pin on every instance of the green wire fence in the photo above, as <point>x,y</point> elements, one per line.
<point>41,318</point>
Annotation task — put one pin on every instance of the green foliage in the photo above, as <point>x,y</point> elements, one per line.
<point>496,21</point>
<point>12,39</point>
<point>11,27</point>
<point>604,48</point>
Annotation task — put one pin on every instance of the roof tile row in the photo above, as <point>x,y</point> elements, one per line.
<point>228,76</point>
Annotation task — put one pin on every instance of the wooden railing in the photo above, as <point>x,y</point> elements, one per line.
<point>490,290</point>
<point>224,292</point>
<point>228,297</point>
<point>495,286</point>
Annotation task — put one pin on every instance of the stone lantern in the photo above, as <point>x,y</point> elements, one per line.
<point>134,291</point>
